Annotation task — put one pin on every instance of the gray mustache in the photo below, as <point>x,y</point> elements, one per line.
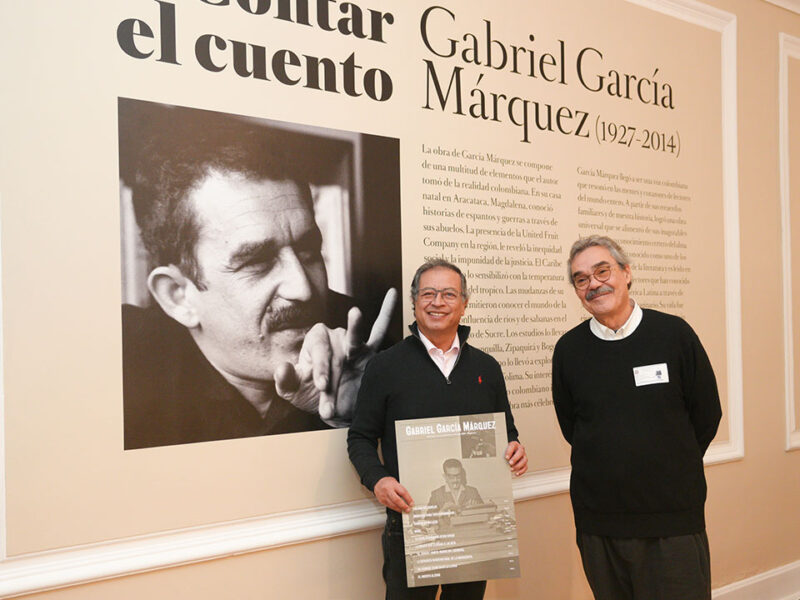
<point>601,290</point>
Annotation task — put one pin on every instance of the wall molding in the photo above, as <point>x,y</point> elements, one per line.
<point>782,583</point>
<point>50,570</point>
<point>792,5</point>
<point>45,571</point>
<point>725,23</point>
<point>789,47</point>
<point>3,515</point>
<point>693,12</point>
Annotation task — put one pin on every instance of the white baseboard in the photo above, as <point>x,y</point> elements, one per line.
<point>782,583</point>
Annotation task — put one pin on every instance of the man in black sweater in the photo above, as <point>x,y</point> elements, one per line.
<point>432,373</point>
<point>636,397</point>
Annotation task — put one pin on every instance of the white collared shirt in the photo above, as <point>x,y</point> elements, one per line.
<point>445,360</point>
<point>608,334</point>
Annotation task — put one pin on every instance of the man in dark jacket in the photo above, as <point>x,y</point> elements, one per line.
<point>636,398</point>
<point>431,373</point>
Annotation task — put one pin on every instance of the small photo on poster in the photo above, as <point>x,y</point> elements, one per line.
<point>462,527</point>
<point>248,247</point>
<point>478,444</point>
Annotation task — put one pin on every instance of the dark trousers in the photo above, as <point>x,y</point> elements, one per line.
<point>670,568</point>
<point>394,571</point>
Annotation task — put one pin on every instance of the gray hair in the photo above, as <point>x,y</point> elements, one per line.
<point>617,253</point>
<point>432,264</point>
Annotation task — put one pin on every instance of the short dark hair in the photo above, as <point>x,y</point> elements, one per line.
<point>452,463</point>
<point>167,151</point>
<point>617,253</point>
<point>432,264</point>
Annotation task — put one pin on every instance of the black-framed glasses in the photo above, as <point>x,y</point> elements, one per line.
<point>601,273</point>
<point>449,295</point>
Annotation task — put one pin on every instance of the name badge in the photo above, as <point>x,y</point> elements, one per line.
<point>650,374</point>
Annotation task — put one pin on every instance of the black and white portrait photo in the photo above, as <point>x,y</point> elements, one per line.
<point>260,267</point>
<point>455,495</point>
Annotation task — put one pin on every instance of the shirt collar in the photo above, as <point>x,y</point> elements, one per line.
<point>429,345</point>
<point>608,334</point>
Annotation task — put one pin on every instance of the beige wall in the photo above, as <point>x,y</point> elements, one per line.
<point>753,517</point>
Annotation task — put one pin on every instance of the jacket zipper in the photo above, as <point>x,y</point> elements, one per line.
<point>455,364</point>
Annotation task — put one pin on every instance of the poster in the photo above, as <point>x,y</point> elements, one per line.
<point>517,128</point>
<point>466,530</point>
<point>243,246</point>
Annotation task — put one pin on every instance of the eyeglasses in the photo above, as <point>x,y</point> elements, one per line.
<point>428,295</point>
<point>601,274</point>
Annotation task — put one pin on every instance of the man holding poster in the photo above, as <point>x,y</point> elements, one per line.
<point>431,373</point>
<point>636,398</point>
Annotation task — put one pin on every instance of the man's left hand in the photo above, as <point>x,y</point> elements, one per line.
<point>331,363</point>
<point>517,458</point>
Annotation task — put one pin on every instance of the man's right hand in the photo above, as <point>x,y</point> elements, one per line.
<point>328,372</point>
<point>391,494</point>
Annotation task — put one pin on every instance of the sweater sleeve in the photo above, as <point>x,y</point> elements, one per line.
<point>700,392</point>
<point>562,398</point>
<point>368,427</point>
<point>504,406</point>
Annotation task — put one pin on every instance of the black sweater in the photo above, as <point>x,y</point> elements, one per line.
<point>404,383</point>
<point>637,452</point>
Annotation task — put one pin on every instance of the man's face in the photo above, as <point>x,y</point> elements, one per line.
<point>438,317</point>
<point>452,475</point>
<point>606,300</point>
<point>258,253</point>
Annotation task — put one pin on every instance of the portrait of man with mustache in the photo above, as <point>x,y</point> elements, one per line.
<point>243,336</point>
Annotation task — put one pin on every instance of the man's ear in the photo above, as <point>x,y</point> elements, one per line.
<point>169,286</point>
<point>628,275</point>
